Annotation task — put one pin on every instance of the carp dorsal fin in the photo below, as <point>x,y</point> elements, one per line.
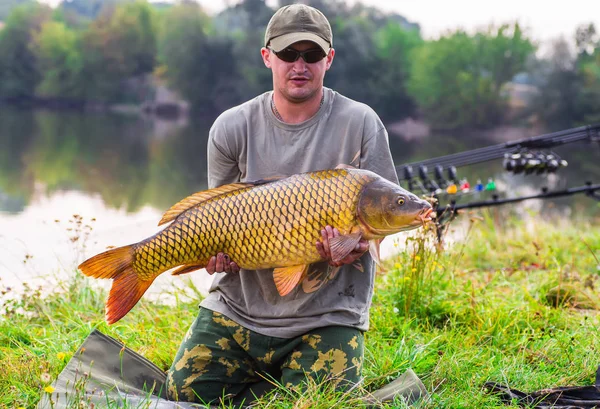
<point>286,278</point>
<point>199,197</point>
<point>343,245</point>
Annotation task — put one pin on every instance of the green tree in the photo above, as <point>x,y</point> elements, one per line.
<point>19,73</point>
<point>87,9</point>
<point>6,7</point>
<point>588,67</point>
<point>60,61</point>
<point>119,44</point>
<point>200,67</point>
<point>394,47</point>
<point>244,25</point>
<point>569,83</point>
<point>457,80</point>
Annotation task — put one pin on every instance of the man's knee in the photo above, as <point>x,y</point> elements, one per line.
<point>332,355</point>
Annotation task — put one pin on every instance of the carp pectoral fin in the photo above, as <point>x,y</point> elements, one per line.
<point>341,246</point>
<point>286,278</point>
<point>187,268</point>
<point>375,254</point>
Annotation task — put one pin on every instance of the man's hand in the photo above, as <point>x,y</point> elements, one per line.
<point>323,248</point>
<point>221,263</point>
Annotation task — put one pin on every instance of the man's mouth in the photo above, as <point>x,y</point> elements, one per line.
<point>299,80</point>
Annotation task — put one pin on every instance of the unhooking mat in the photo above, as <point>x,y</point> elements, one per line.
<point>566,397</point>
<point>106,373</point>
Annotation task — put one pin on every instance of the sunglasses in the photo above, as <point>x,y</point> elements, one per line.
<point>309,56</point>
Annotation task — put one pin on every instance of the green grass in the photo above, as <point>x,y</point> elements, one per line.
<point>513,302</point>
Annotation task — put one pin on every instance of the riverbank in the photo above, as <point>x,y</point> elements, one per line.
<point>515,303</point>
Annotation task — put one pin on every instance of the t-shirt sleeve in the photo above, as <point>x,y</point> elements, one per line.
<point>222,160</point>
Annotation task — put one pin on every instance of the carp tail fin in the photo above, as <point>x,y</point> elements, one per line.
<point>127,287</point>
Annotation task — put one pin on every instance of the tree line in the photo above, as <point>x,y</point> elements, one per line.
<point>87,52</point>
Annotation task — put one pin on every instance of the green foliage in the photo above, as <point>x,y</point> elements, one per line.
<point>395,46</point>
<point>116,46</point>
<point>6,6</point>
<point>88,9</point>
<point>570,84</point>
<point>60,61</point>
<point>105,51</point>
<point>19,72</point>
<point>203,69</point>
<point>457,80</point>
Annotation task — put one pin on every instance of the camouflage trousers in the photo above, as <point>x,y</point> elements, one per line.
<point>219,359</point>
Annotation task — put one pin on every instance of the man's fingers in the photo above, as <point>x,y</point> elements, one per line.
<point>226,263</point>
<point>321,251</point>
<point>210,267</point>
<point>362,246</point>
<point>325,243</point>
<point>219,265</point>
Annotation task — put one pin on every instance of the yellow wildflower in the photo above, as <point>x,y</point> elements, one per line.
<point>417,258</point>
<point>61,356</point>
<point>49,389</point>
<point>414,269</point>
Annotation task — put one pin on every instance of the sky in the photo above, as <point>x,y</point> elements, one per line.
<point>546,20</point>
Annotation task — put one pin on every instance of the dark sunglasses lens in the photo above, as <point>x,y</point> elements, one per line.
<point>288,55</point>
<point>313,56</point>
<point>291,55</point>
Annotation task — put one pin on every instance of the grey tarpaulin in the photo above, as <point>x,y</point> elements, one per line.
<point>106,373</point>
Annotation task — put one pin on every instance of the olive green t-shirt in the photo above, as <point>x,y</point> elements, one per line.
<point>248,143</point>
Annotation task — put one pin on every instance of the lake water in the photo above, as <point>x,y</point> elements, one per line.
<point>72,184</point>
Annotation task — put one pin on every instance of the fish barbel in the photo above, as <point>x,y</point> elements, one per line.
<point>261,225</point>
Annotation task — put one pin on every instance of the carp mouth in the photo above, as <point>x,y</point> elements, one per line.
<point>420,220</point>
<point>426,216</point>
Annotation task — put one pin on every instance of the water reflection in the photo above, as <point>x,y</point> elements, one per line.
<point>123,171</point>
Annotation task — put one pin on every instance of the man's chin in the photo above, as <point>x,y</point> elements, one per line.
<point>300,94</point>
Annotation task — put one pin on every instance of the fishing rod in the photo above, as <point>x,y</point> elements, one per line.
<point>519,155</point>
<point>446,213</point>
<point>526,156</point>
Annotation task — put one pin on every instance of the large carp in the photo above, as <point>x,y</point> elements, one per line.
<point>268,224</point>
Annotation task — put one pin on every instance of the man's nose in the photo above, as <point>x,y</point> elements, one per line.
<point>300,65</point>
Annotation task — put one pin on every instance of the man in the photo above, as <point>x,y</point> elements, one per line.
<point>245,331</point>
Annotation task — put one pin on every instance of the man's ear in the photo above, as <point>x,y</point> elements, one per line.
<point>266,56</point>
<point>329,58</point>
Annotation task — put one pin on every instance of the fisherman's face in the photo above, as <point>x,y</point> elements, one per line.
<point>297,81</point>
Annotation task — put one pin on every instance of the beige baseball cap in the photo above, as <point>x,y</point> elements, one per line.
<point>298,22</point>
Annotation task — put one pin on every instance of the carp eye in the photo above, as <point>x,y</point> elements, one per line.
<point>400,201</point>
